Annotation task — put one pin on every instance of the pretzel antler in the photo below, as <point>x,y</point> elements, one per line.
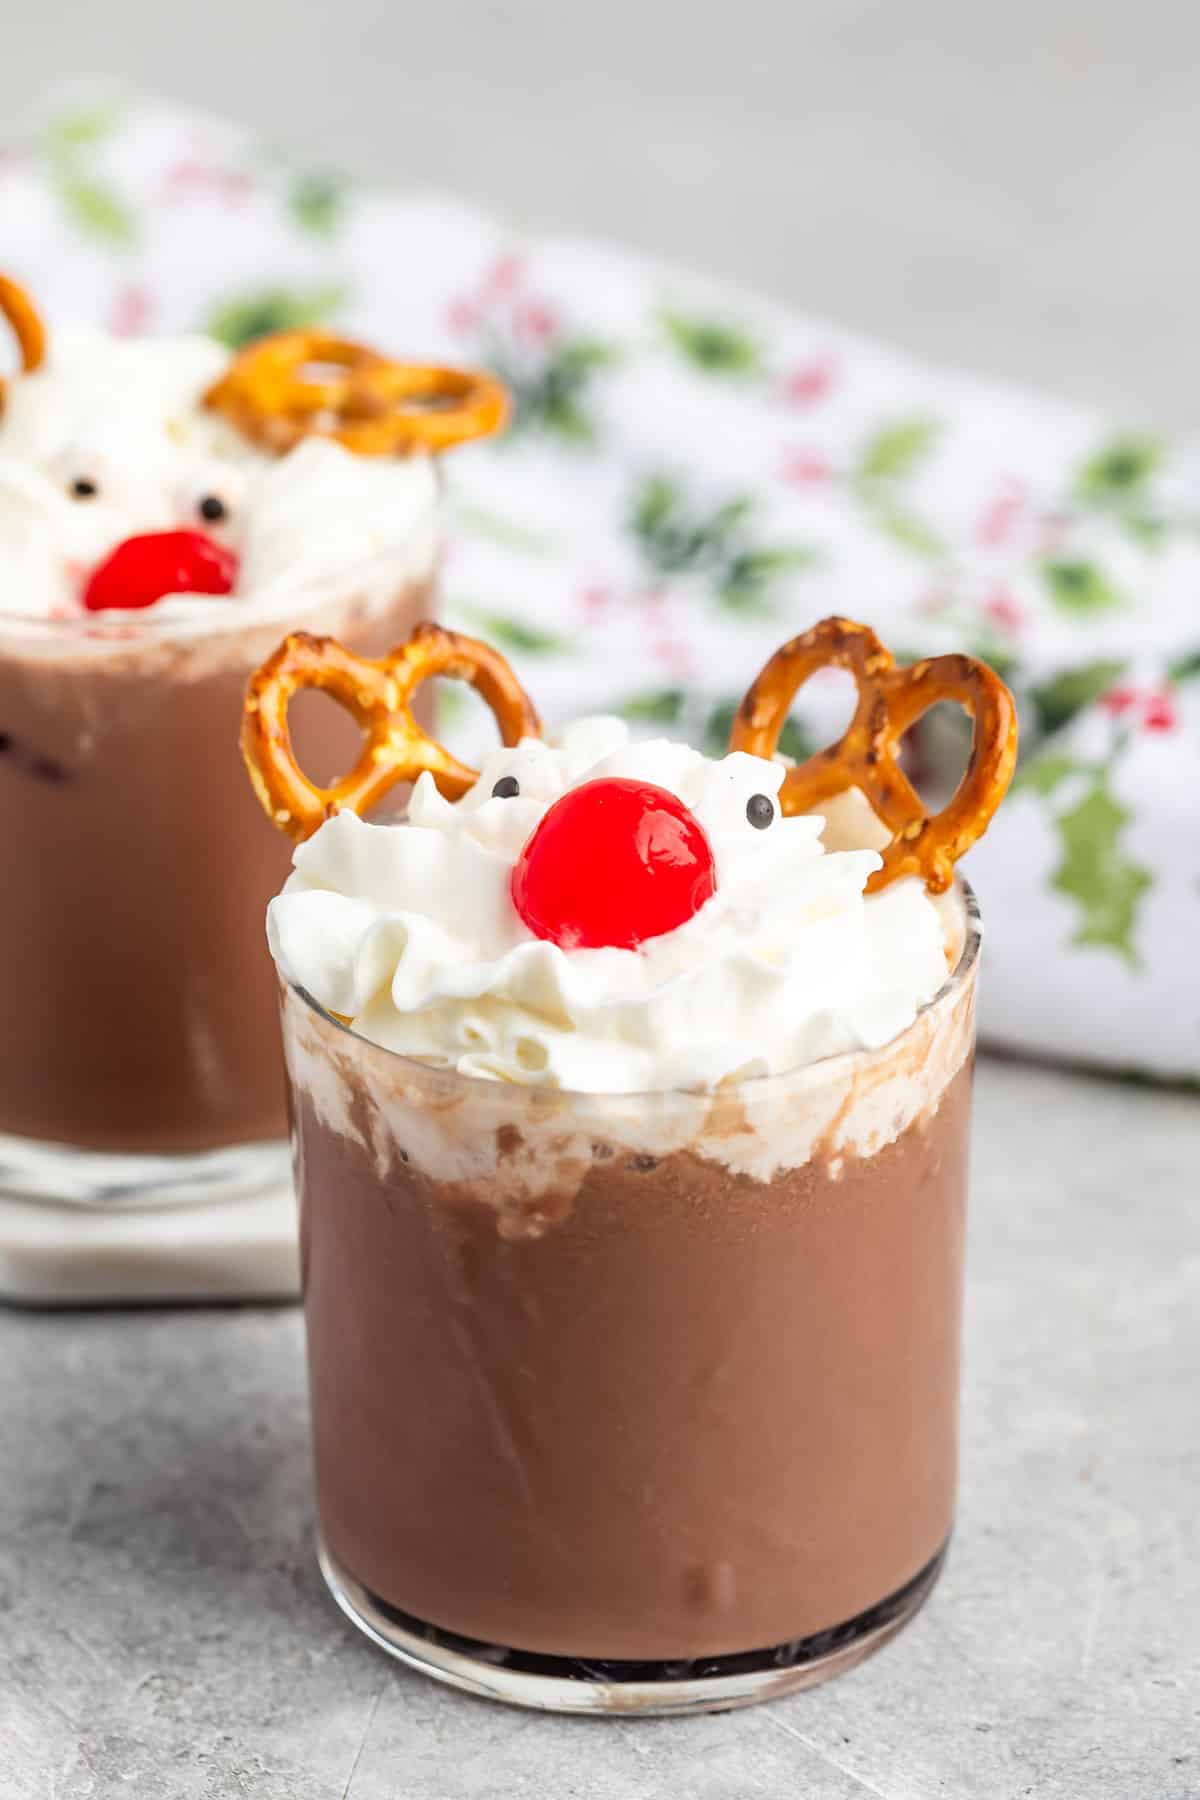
<point>297,384</point>
<point>379,697</point>
<point>890,701</point>
<point>26,325</point>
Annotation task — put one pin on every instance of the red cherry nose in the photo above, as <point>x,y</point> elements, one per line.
<point>143,569</point>
<point>612,863</point>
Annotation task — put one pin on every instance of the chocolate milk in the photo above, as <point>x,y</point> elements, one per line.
<point>578,1398</point>
<point>138,1010</point>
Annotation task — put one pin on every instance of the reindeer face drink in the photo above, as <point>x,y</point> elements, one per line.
<point>164,512</point>
<point>138,474</point>
<point>631,1093</point>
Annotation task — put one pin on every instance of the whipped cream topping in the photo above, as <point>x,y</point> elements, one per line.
<point>124,416</point>
<point>409,932</point>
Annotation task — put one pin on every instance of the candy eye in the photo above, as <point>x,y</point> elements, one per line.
<point>84,488</point>
<point>212,509</point>
<point>507,788</point>
<point>760,811</point>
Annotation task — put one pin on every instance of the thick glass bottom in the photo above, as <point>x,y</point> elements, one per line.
<point>33,1170</point>
<point>574,1685</point>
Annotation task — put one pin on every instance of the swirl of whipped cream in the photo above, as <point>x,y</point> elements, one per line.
<point>409,931</point>
<point>124,417</point>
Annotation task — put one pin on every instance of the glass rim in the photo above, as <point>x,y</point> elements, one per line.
<point>822,1067</point>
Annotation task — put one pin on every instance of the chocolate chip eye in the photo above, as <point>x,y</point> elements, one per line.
<point>84,489</point>
<point>760,811</point>
<point>213,508</point>
<point>507,788</point>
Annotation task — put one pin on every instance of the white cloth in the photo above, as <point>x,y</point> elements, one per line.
<point>695,475</point>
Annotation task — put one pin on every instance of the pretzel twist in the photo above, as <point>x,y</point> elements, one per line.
<point>297,384</point>
<point>890,701</point>
<point>379,696</point>
<point>25,322</point>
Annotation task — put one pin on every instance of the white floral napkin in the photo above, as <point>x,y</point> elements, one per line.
<point>694,475</point>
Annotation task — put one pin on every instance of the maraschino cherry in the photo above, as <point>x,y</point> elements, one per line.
<point>612,863</point>
<point>143,569</point>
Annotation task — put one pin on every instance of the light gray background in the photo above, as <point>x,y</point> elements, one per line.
<point>1012,187</point>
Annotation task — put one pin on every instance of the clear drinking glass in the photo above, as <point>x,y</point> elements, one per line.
<point>139,1040</point>
<point>639,1402</point>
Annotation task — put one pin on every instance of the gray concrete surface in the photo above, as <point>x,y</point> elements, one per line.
<point>163,1633</point>
<point>1007,187</point>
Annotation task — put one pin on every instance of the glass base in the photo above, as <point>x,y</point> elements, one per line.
<point>112,1180</point>
<point>575,1685</point>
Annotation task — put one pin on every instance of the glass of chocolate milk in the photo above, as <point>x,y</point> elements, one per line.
<point>632,1402</point>
<point>632,1269</point>
<point>152,555</point>
<point>139,1037</point>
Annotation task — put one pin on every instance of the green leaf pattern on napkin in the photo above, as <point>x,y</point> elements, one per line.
<point>712,345</point>
<point>91,201</point>
<point>1079,587</point>
<point>679,537</point>
<point>1093,869</point>
<point>317,202</point>
<point>888,462</point>
<point>239,318</point>
<point>691,475</point>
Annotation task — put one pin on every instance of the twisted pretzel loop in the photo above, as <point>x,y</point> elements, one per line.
<point>25,322</point>
<point>378,695</point>
<point>297,384</point>
<point>890,701</point>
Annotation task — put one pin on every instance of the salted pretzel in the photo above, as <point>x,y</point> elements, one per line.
<point>26,325</point>
<point>890,701</point>
<point>379,697</point>
<point>297,384</point>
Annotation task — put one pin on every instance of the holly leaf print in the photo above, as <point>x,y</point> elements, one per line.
<point>677,538</point>
<point>1045,773</point>
<point>512,633</point>
<point>499,528</point>
<point>94,206</point>
<point>83,127</point>
<point>1118,471</point>
<point>887,461</point>
<point>747,580</point>
<point>717,348</point>
<point>1056,702</point>
<point>317,202</point>
<point>656,706</point>
<point>1186,667</point>
<point>657,499</point>
<point>898,451</point>
<point>903,527</point>
<point>673,540</point>
<point>1095,873</point>
<point>729,518</point>
<point>1117,479</point>
<point>1080,587</point>
<point>96,210</point>
<point>243,317</point>
<point>552,396</point>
